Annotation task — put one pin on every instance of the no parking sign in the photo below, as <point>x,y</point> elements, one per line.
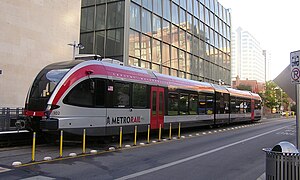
<point>295,68</point>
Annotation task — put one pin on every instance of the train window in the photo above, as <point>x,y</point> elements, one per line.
<point>99,92</point>
<point>226,103</point>
<point>173,104</point>
<point>139,95</point>
<point>154,103</point>
<point>209,104</point>
<point>257,104</point>
<point>220,106</point>
<point>202,104</point>
<point>121,94</point>
<point>193,104</point>
<point>183,104</point>
<point>248,108</point>
<point>232,104</point>
<point>80,95</point>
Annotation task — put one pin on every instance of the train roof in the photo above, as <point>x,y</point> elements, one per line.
<point>239,93</point>
<point>141,75</point>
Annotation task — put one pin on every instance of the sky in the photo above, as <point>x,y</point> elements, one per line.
<point>275,24</point>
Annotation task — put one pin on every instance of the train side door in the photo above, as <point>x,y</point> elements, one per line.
<point>157,107</point>
<point>252,109</point>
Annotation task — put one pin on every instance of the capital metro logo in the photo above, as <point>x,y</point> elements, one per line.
<point>123,120</point>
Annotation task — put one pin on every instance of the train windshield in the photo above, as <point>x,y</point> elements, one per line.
<point>44,86</point>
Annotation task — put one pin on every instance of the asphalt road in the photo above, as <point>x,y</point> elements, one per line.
<point>224,153</point>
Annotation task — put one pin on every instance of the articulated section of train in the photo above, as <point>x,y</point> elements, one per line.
<point>102,96</point>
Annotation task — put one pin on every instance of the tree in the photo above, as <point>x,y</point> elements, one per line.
<point>273,96</point>
<point>244,87</point>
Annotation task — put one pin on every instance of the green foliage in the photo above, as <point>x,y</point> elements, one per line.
<point>244,87</point>
<point>274,96</point>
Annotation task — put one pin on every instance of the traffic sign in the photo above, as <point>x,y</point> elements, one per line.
<point>295,68</point>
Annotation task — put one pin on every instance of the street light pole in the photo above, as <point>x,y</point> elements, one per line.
<point>75,45</point>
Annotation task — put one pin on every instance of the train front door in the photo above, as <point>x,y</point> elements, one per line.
<point>157,107</point>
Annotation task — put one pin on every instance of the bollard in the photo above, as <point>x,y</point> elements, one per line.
<point>159,133</point>
<point>120,144</point>
<point>61,144</point>
<point>135,134</point>
<point>179,130</point>
<point>33,147</point>
<point>170,132</point>
<point>286,114</point>
<point>83,141</point>
<point>148,136</point>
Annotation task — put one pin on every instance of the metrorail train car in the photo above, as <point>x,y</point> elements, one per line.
<point>102,96</point>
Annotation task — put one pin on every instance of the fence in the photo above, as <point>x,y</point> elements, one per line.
<point>8,118</point>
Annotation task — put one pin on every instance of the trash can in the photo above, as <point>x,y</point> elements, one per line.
<point>282,162</point>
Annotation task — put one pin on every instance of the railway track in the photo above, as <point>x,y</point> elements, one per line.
<point>15,138</point>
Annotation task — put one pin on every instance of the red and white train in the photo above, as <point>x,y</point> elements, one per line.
<point>101,97</point>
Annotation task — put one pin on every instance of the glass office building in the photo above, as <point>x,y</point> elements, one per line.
<point>184,38</point>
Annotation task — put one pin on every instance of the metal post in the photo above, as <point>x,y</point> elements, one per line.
<point>159,133</point>
<point>120,144</point>
<point>61,144</point>
<point>33,147</point>
<point>148,136</point>
<point>298,115</point>
<point>83,142</point>
<point>135,134</point>
<point>179,130</point>
<point>170,131</point>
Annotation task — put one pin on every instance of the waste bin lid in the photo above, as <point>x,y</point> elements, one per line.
<point>285,147</point>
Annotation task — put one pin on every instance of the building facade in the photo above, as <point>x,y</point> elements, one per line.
<point>184,38</point>
<point>34,33</point>
<point>247,57</point>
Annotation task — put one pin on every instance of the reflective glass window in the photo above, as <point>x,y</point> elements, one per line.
<point>166,31</point>
<point>196,9</point>
<point>182,39</point>
<point>167,9</point>
<point>114,42</point>
<point>145,64</point>
<point>81,95</point>
<point>116,15</point>
<point>134,44</point>
<point>183,3</point>
<point>87,39</point>
<point>156,51</point>
<point>175,35</point>
<point>166,70</point>
<point>174,58</point>
<point>189,42</point>
<point>175,14</point>
<point>196,27</point>
<point>157,7</point>
<point>173,72</point>
<point>87,2</point>
<point>87,19</point>
<point>188,62</point>
<point>155,67</point>
<point>189,22</point>
<point>139,95</point>
<point>190,6</point>
<point>166,60</point>
<point>133,61</point>
<point>182,20</point>
<point>147,4</point>
<point>145,48</point>
<point>206,17</point>
<point>202,104</point>
<point>156,27</point>
<point>201,12</point>
<point>137,1</point>
<point>195,46</point>
<point>135,21</point>
<point>146,22</point>
<point>181,60</point>
<point>172,104</point>
<point>200,67</point>
<point>100,17</point>
<point>183,104</point>
<point>121,94</point>
<point>100,37</point>
<point>210,104</point>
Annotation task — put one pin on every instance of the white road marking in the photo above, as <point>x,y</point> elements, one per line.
<point>134,175</point>
<point>39,178</point>
<point>4,169</point>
